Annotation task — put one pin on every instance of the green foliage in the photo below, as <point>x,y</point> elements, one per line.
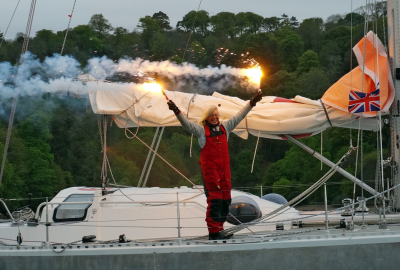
<point>163,20</point>
<point>224,24</point>
<point>271,24</point>
<point>199,25</point>
<point>290,49</point>
<point>160,46</point>
<point>149,27</point>
<point>100,25</point>
<point>308,61</point>
<point>311,31</point>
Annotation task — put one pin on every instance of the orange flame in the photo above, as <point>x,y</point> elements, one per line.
<point>254,74</point>
<point>152,87</point>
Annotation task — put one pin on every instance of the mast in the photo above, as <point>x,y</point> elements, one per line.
<point>393,15</point>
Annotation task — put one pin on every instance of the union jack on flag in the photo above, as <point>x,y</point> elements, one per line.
<point>364,102</point>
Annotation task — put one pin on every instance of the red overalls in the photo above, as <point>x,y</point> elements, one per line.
<point>215,166</point>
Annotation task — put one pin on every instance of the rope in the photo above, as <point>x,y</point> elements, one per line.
<point>190,34</point>
<point>326,113</point>
<point>67,246</point>
<point>112,176</point>
<point>15,99</point>
<point>321,145</point>
<point>66,33</point>
<point>255,151</point>
<point>5,33</point>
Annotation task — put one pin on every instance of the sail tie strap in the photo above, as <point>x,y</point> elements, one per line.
<point>326,113</point>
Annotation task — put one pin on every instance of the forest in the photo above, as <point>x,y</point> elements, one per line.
<point>55,141</point>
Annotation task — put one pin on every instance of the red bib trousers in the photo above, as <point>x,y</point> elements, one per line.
<point>215,166</point>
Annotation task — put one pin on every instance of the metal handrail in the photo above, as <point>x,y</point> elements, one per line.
<point>8,211</point>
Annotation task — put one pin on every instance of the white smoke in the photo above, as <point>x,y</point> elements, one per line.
<point>57,74</point>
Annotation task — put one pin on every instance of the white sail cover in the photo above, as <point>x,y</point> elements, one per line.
<point>273,117</point>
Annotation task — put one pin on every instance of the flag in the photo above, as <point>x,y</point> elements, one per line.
<point>70,16</point>
<point>360,102</point>
<point>362,81</point>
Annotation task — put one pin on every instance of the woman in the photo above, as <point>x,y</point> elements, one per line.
<point>213,138</point>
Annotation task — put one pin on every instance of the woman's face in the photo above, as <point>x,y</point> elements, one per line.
<point>213,119</point>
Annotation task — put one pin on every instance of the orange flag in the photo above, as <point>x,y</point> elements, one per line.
<point>350,89</point>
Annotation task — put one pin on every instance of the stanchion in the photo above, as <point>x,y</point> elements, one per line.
<point>179,218</point>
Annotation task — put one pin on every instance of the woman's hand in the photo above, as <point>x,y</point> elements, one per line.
<point>173,107</point>
<point>256,98</point>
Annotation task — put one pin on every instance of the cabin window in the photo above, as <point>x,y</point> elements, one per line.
<point>73,212</point>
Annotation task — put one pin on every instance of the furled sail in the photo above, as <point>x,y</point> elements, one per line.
<point>273,117</point>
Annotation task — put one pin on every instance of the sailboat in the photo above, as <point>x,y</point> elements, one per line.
<point>113,226</point>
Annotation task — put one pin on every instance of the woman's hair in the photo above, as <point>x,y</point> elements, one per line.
<point>207,112</point>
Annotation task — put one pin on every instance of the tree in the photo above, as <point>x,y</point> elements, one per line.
<point>271,24</point>
<point>341,36</point>
<point>294,23</point>
<point>35,133</point>
<point>313,83</point>
<point>242,22</point>
<point>285,21</point>
<point>353,19</point>
<point>311,31</point>
<point>87,41</point>
<point>100,25</point>
<point>45,44</point>
<point>331,60</point>
<point>333,21</point>
<point>200,22</point>
<point>284,187</point>
<point>163,20</point>
<point>224,24</point>
<point>307,61</point>
<point>254,22</point>
<point>149,27</point>
<point>290,49</point>
<point>161,46</point>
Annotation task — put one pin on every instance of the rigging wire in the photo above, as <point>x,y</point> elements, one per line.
<point>66,33</point>
<point>152,159</point>
<point>148,158</point>
<point>351,61</point>
<point>5,33</point>
<point>190,34</point>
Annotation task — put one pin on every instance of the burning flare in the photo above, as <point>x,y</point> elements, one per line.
<point>152,87</point>
<point>254,74</point>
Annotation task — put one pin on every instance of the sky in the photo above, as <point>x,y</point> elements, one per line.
<point>53,14</point>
